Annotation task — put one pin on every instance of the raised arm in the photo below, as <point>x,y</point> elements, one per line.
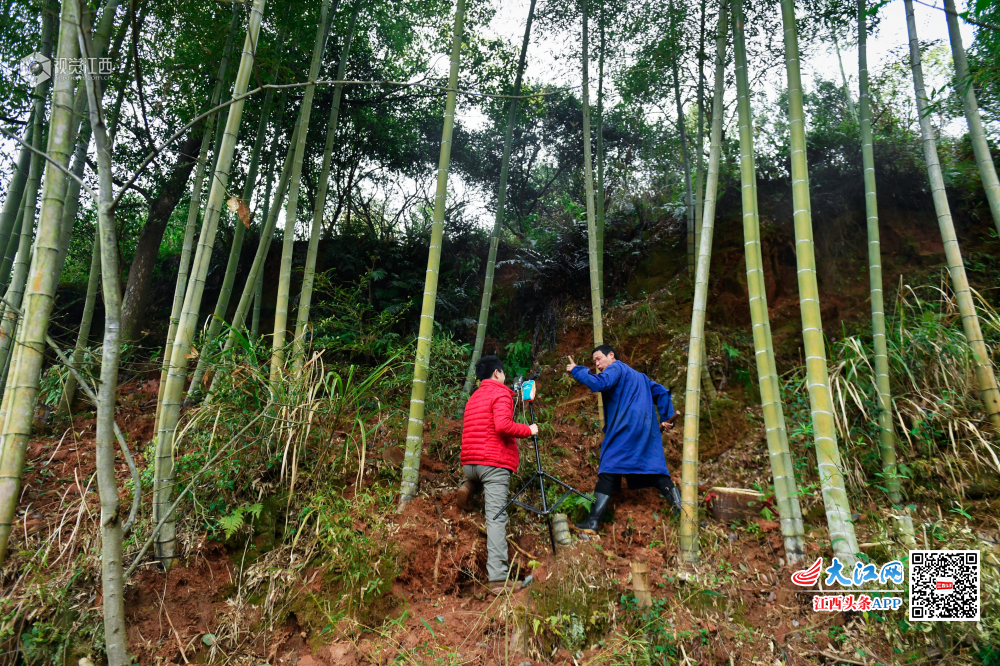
<point>595,383</point>
<point>661,398</point>
<point>503,419</point>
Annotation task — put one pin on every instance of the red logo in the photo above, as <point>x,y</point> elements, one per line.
<point>808,577</point>
<point>944,585</point>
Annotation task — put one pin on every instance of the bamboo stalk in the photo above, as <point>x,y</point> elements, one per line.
<point>599,200</point>
<point>887,437</point>
<point>422,360</point>
<point>166,547</point>
<point>831,470</point>
<point>83,336</point>
<point>696,346</point>
<point>785,491</point>
<point>491,258</point>
<point>292,207</point>
<point>977,136</point>
<point>953,253</point>
<point>44,277</point>
<point>112,533</point>
<point>191,227</point>
<point>309,272</point>
<point>232,264</point>
<point>15,189</point>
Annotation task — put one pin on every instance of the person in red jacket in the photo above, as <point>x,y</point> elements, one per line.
<point>490,456</point>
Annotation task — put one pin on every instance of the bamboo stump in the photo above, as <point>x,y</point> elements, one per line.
<point>640,584</point>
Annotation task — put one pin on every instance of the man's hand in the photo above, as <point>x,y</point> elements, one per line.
<point>571,364</point>
<point>666,425</point>
<point>533,428</point>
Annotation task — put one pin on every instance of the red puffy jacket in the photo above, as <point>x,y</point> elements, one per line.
<point>489,433</point>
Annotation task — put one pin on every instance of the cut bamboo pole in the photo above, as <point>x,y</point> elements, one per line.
<point>421,363</point>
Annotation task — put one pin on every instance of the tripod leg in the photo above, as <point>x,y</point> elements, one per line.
<point>552,535</point>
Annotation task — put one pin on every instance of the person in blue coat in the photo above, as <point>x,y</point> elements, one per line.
<point>635,410</point>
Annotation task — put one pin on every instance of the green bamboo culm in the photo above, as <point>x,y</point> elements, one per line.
<point>985,377</point>
<point>964,87</point>
<point>699,146</point>
<point>599,195</point>
<point>15,189</point>
<point>491,259</point>
<point>250,288</point>
<point>112,529</point>
<point>43,278</point>
<point>782,471</point>
<point>588,181</point>
<point>831,469</point>
<point>692,237</point>
<point>887,436</point>
<point>309,272</point>
<point>232,264</point>
<point>194,211</point>
<point>164,471</point>
<point>292,207</point>
<point>421,363</point>
<point>692,396</point>
<point>8,258</point>
<point>86,322</point>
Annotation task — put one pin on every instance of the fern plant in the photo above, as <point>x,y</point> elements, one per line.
<point>234,521</point>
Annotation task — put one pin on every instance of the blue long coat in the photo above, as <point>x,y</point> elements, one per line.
<point>634,406</point>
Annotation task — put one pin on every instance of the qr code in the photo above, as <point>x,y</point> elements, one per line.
<point>944,585</point>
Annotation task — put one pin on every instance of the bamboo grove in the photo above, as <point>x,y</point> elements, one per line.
<point>241,180</point>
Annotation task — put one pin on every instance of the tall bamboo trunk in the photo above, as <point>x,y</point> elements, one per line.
<point>692,248</point>
<point>266,236</point>
<point>44,277</point>
<point>963,81</point>
<point>843,77</point>
<point>699,147</point>
<point>292,209</point>
<point>15,189</point>
<point>785,491</point>
<point>112,534</point>
<point>232,264</point>
<point>194,210</point>
<point>887,437</point>
<point>491,258</point>
<point>14,289</point>
<point>7,263</point>
<point>692,396</point>
<point>831,469</point>
<point>588,182</point>
<point>988,392</point>
<point>86,321</point>
<point>309,272</point>
<point>599,195</point>
<point>163,479</point>
<point>422,361</point>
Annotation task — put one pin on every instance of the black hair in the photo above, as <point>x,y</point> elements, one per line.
<point>486,366</point>
<point>605,349</point>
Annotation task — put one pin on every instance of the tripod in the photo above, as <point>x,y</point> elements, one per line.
<point>541,475</point>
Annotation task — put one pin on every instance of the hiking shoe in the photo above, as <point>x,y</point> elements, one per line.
<point>501,587</point>
<point>464,495</point>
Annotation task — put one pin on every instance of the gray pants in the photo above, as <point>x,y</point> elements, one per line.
<point>496,487</point>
